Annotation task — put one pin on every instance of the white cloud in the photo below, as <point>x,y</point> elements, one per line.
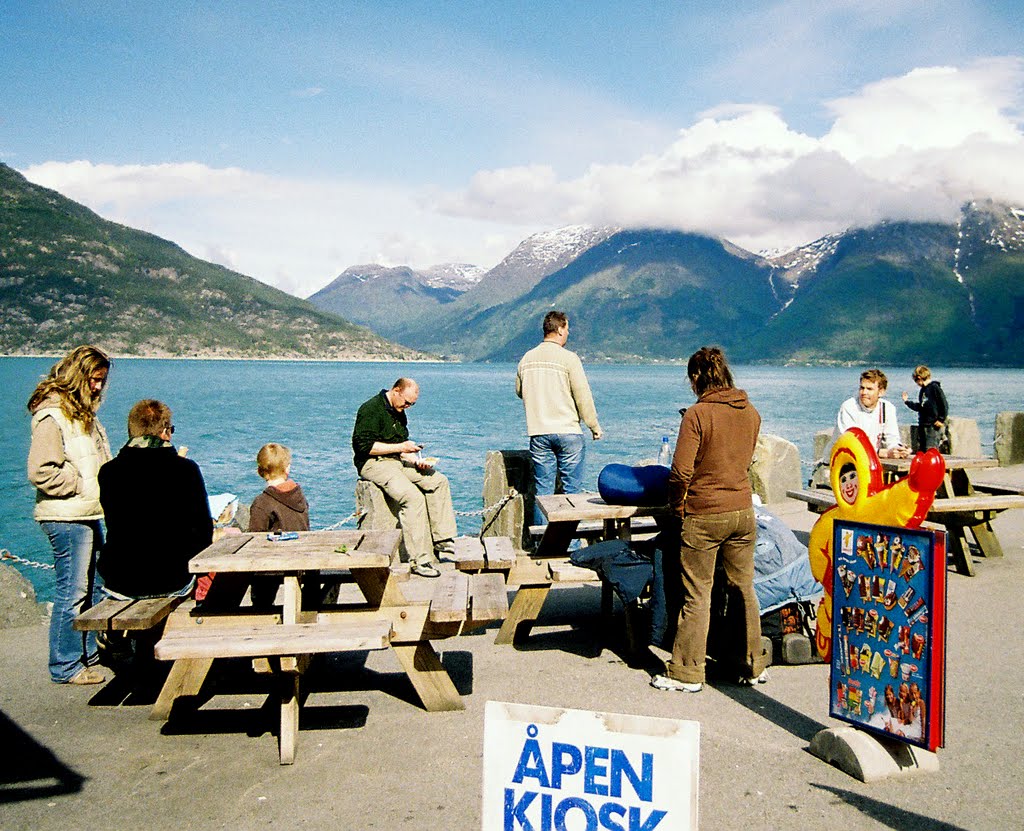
<point>908,147</point>
<point>295,234</point>
<point>912,147</point>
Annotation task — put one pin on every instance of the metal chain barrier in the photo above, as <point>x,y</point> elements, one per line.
<point>496,507</point>
<point>7,555</point>
<point>356,515</point>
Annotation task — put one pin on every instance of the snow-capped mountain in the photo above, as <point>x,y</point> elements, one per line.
<point>535,258</point>
<point>456,276</point>
<point>793,264</point>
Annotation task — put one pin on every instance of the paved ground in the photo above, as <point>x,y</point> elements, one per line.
<point>369,757</point>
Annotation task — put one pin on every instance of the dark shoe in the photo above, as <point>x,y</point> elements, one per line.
<point>445,551</point>
<point>87,675</point>
<point>425,570</point>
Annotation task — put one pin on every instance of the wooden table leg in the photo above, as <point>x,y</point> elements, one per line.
<point>430,679</point>
<point>522,614</point>
<point>956,542</point>
<point>185,678</point>
<point>988,542</point>
<point>288,734</point>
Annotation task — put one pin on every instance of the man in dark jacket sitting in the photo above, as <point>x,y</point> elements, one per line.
<point>156,510</point>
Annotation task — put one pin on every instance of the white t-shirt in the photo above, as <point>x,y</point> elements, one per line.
<point>880,423</point>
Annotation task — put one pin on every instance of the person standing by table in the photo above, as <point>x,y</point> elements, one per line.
<point>68,447</point>
<point>554,389</point>
<point>710,492</point>
<point>931,408</point>
<point>383,454</point>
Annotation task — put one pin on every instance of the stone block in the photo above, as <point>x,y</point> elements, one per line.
<point>380,514</point>
<point>870,759</point>
<point>18,606</point>
<point>964,437</point>
<point>504,469</point>
<point>1009,438</point>
<point>822,446</point>
<point>776,468</point>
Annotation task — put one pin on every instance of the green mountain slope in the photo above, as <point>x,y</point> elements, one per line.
<point>640,295</point>
<point>67,276</point>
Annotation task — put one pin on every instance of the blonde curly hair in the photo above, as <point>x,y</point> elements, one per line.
<point>68,380</point>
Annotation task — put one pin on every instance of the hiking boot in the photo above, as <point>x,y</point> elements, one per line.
<point>663,682</point>
<point>425,569</point>
<point>753,682</point>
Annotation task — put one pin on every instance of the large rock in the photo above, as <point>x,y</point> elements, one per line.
<point>964,437</point>
<point>18,606</point>
<point>377,512</point>
<point>504,469</point>
<point>1009,438</point>
<point>776,468</point>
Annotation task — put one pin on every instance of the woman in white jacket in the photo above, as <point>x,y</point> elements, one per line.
<point>68,447</point>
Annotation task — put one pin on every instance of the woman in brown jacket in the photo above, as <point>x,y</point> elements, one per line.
<point>710,492</point>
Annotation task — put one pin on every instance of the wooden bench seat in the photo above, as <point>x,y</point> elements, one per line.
<point>997,488</point>
<point>110,615</point>
<point>458,597</point>
<point>272,640</point>
<point>966,507</point>
<point>488,554</point>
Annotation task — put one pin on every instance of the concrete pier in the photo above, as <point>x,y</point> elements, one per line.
<point>371,758</point>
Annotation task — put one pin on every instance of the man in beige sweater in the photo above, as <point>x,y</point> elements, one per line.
<point>555,392</point>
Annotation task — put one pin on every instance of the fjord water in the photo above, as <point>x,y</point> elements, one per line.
<point>225,410</point>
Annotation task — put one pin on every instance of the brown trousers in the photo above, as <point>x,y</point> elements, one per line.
<point>707,538</point>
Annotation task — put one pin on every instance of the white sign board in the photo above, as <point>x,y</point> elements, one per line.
<point>551,769</point>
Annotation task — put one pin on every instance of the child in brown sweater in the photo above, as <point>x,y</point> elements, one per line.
<point>281,507</point>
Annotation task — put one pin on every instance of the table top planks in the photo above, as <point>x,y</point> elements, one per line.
<point>312,551</point>
<point>578,507</point>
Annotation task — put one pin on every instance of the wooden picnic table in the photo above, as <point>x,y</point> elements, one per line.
<point>397,612</point>
<point>961,504</point>
<point>536,573</point>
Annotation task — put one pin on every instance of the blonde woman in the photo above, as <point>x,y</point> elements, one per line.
<point>68,447</point>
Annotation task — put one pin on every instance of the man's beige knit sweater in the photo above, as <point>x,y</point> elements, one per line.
<point>554,389</point>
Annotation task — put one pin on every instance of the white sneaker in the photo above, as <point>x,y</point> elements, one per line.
<point>663,682</point>
<point>753,682</point>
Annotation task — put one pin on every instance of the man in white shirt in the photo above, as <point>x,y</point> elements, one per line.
<point>555,392</point>
<point>869,411</point>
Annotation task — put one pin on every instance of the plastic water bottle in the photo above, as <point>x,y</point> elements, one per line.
<point>665,453</point>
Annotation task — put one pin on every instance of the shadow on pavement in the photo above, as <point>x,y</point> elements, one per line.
<point>776,712</point>
<point>883,812</point>
<point>29,770</point>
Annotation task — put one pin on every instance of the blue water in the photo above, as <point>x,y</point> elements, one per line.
<point>225,410</point>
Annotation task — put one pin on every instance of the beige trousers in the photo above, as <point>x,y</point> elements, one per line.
<point>423,502</point>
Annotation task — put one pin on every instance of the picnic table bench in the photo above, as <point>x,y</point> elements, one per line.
<point>396,612</point>
<point>536,573</point>
<point>111,615</point>
<point>957,514</point>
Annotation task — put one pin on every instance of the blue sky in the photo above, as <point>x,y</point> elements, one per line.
<point>289,140</point>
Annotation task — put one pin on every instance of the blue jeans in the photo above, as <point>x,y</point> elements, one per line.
<point>561,453</point>
<point>74,556</point>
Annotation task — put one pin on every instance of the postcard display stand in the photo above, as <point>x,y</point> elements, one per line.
<point>888,645</point>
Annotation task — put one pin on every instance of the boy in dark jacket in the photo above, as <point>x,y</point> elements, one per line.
<point>931,407</point>
<point>281,507</point>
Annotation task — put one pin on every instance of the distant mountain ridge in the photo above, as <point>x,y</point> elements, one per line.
<point>67,277</point>
<point>895,292</point>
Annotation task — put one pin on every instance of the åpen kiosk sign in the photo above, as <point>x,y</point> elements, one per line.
<point>552,769</point>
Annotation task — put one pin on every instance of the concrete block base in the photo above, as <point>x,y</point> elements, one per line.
<point>869,758</point>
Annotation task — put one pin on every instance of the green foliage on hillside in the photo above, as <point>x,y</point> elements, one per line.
<point>67,276</point>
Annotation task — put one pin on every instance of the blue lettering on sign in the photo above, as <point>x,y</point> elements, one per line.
<point>569,760</point>
<point>565,759</point>
<point>603,770</point>
<point>531,763</point>
<point>607,817</point>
